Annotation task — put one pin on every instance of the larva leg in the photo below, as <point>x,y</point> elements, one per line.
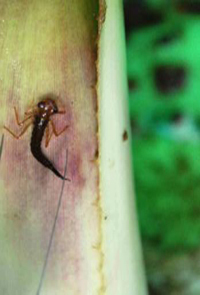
<point>17,118</point>
<point>21,133</point>
<point>48,136</point>
<point>58,133</point>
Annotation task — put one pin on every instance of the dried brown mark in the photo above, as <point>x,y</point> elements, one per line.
<point>125,135</point>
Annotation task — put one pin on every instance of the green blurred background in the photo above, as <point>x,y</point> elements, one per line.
<point>163,57</point>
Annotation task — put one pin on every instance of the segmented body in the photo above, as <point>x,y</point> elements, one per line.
<point>41,120</point>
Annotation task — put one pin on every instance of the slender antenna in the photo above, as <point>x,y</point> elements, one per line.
<point>1,145</point>
<point>53,231</point>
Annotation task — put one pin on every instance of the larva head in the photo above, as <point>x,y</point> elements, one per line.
<point>47,107</point>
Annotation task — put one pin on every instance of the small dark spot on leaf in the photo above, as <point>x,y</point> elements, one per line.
<point>167,38</point>
<point>106,217</point>
<point>132,84</point>
<point>176,118</point>
<point>139,15</point>
<point>125,135</point>
<point>189,6</point>
<point>169,78</point>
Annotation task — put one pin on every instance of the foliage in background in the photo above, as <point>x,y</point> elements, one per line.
<point>164,76</point>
